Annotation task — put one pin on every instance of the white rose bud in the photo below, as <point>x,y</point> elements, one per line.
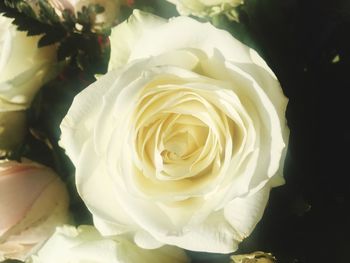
<point>33,201</point>
<point>182,140</point>
<point>85,244</point>
<point>207,8</point>
<point>23,66</point>
<point>23,70</point>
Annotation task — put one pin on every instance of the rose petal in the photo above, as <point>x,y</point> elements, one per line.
<point>244,213</point>
<point>127,34</point>
<point>20,189</point>
<point>80,120</point>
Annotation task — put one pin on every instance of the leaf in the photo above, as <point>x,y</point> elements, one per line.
<point>51,38</point>
<point>47,12</point>
<point>66,49</point>
<point>12,261</point>
<point>69,19</point>
<point>26,9</point>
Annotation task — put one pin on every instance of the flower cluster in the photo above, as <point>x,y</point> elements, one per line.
<point>176,146</point>
<point>208,8</point>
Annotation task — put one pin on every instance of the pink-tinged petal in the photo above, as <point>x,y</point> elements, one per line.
<point>20,186</point>
<point>33,202</point>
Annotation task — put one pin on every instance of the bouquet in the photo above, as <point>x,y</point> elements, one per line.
<point>172,131</point>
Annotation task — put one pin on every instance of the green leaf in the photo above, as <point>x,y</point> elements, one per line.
<point>26,9</point>
<point>12,261</point>
<point>47,12</point>
<point>51,38</point>
<point>69,19</point>
<point>67,48</point>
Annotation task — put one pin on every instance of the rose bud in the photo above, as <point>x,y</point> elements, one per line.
<point>85,244</point>
<point>24,69</point>
<point>208,8</point>
<point>33,201</point>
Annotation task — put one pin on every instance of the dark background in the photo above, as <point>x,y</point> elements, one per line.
<point>307,219</point>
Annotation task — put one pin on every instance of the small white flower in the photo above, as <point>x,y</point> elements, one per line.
<point>207,8</point>
<point>84,244</point>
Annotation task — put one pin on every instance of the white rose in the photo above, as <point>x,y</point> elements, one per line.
<point>84,244</point>
<point>33,201</point>
<point>205,8</point>
<point>182,140</point>
<point>23,66</point>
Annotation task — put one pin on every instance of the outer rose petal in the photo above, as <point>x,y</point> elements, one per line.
<point>92,173</point>
<point>26,179</point>
<point>85,244</point>
<point>147,35</point>
<point>244,213</point>
<point>127,34</point>
<point>77,125</point>
<point>222,231</point>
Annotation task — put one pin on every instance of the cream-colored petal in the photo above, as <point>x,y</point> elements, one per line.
<point>96,189</point>
<point>85,244</point>
<point>265,108</point>
<point>77,125</point>
<point>214,235</point>
<point>29,235</point>
<point>20,189</point>
<point>124,36</point>
<point>244,213</point>
<point>202,36</point>
<point>17,93</point>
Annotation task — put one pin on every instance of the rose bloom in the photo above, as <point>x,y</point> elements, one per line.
<point>85,244</point>
<point>23,66</point>
<point>182,140</point>
<point>207,8</point>
<point>23,70</point>
<point>33,201</point>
